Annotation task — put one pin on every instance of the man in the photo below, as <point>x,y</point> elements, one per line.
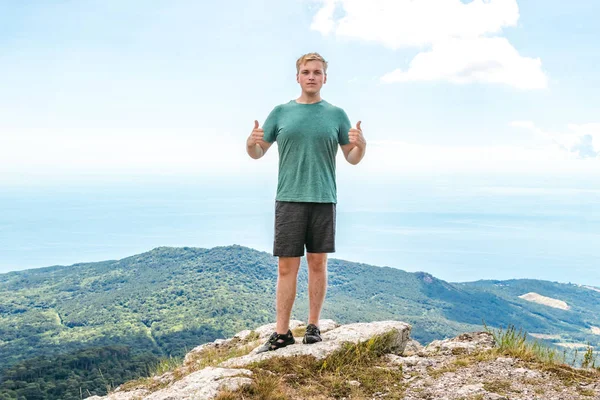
<point>308,131</point>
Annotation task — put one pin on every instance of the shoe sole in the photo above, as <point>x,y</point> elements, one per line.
<point>280,347</point>
<point>311,341</point>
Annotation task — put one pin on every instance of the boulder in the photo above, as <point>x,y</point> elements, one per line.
<point>332,341</point>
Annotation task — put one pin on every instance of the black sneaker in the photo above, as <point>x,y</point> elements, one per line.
<point>277,341</point>
<point>312,335</point>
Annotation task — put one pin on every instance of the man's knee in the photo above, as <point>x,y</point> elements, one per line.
<point>317,262</point>
<point>288,266</point>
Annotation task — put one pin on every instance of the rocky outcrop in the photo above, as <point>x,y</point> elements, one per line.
<point>204,384</point>
<point>464,367</point>
<point>333,340</point>
<point>442,370</point>
<point>467,343</point>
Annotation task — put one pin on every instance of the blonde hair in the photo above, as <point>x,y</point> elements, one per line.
<point>310,57</point>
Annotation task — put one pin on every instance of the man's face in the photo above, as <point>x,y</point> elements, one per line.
<point>311,76</point>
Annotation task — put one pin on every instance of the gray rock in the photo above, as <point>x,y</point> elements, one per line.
<point>188,357</point>
<point>494,396</point>
<point>242,335</point>
<point>590,386</point>
<point>215,345</point>
<point>412,347</point>
<point>506,360</point>
<point>526,372</point>
<point>167,377</point>
<point>131,395</point>
<point>200,385</point>
<point>327,325</point>
<point>469,390</point>
<point>332,340</point>
<point>410,361</point>
<point>463,380</point>
<point>204,384</point>
<point>266,330</point>
<point>465,343</point>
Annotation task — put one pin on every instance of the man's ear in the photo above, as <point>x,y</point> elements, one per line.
<point>325,79</point>
<point>297,78</point>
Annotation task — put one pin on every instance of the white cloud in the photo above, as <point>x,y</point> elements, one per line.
<point>390,159</point>
<point>36,157</point>
<point>408,23</point>
<point>581,141</point>
<point>458,34</point>
<point>485,60</point>
<point>322,20</point>
<point>64,156</point>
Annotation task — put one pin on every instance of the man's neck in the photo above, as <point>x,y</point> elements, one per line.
<point>309,99</point>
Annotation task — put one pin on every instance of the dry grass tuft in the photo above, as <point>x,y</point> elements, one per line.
<point>354,371</point>
<point>299,332</point>
<point>498,386</point>
<point>514,343</point>
<point>210,356</point>
<point>264,386</point>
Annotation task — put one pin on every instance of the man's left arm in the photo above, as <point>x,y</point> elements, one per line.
<point>355,150</point>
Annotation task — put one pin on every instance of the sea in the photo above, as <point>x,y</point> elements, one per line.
<point>456,231</point>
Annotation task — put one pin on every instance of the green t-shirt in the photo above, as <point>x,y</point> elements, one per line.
<point>307,136</point>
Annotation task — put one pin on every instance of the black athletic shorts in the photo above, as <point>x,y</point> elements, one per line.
<point>303,224</point>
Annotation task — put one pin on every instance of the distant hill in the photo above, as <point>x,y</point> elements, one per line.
<point>164,302</point>
<point>577,324</point>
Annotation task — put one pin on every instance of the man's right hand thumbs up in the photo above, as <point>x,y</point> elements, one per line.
<point>257,135</point>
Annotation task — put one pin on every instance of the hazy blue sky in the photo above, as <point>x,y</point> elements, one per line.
<point>105,90</point>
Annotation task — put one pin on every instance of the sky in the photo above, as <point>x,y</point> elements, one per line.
<point>484,107</point>
<point>101,91</point>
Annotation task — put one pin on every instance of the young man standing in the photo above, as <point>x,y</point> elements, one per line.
<point>308,131</point>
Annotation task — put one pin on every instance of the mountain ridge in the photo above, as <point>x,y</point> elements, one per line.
<point>160,302</point>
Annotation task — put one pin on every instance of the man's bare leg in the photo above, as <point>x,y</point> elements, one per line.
<point>317,285</point>
<point>286,291</point>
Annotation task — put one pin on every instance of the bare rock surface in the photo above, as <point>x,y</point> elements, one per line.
<point>465,343</point>
<point>449,369</point>
<point>266,330</point>
<point>130,395</point>
<point>412,347</point>
<point>199,385</point>
<point>206,383</point>
<point>437,373</point>
<point>332,341</point>
<point>263,332</point>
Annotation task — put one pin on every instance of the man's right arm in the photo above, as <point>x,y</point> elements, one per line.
<point>256,145</point>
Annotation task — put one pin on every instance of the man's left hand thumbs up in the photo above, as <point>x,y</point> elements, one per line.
<point>356,136</point>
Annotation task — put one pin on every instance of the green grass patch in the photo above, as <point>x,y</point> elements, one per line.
<point>304,377</point>
<point>513,343</point>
